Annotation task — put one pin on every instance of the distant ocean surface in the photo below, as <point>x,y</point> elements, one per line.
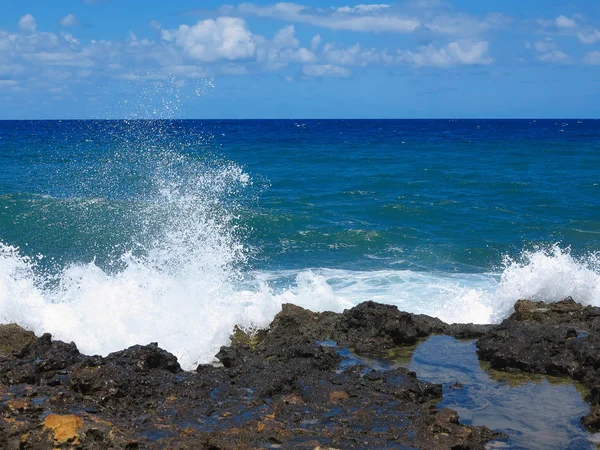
<point>114,233</point>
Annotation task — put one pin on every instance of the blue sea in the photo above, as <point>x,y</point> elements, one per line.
<point>114,233</point>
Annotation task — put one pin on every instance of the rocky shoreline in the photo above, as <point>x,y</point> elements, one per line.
<point>291,386</point>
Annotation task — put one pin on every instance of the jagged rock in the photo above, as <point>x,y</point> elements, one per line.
<point>561,338</point>
<point>287,388</point>
<point>145,358</point>
<point>13,338</point>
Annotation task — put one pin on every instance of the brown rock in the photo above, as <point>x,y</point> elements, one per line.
<point>13,338</point>
<point>65,429</point>
<point>336,396</point>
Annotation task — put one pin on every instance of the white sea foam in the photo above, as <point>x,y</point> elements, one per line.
<point>191,305</point>
<point>548,274</point>
<point>186,289</point>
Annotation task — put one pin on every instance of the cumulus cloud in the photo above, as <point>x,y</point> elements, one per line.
<point>555,56</point>
<point>45,61</point>
<point>286,38</point>
<point>70,20</point>
<point>589,37</point>
<point>27,23</point>
<point>543,46</point>
<point>565,22</point>
<point>455,53</point>
<point>223,45</point>
<point>283,50</point>
<point>325,70</point>
<point>210,40</point>
<point>548,52</point>
<point>351,56</point>
<point>365,18</point>
<point>276,59</point>
<point>592,58</point>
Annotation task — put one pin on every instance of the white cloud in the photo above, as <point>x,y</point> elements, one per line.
<point>68,21</point>
<point>345,18</point>
<point>455,53</point>
<point>277,59</point>
<point>315,42</point>
<point>325,70</point>
<point>555,57</point>
<point>284,50</point>
<point>548,52</point>
<point>27,23</point>
<point>235,69</point>
<point>564,22</point>
<point>225,45</point>
<point>286,38</point>
<point>303,55</point>
<point>546,45</point>
<point>379,18</point>
<point>351,56</point>
<point>362,8</point>
<point>592,58</point>
<point>70,39</point>
<point>11,69</point>
<point>589,37</point>
<point>43,61</point>
<point>211,40</point>
<point>465,24</point>
<point>60,58</point>
<point>7,83</point>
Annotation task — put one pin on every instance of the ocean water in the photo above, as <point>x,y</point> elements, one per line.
<point>114,233</point>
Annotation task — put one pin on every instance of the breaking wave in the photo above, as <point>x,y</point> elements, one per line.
<point>189,290</point>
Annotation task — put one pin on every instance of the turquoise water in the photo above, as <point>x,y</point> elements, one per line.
<point>120,232</point>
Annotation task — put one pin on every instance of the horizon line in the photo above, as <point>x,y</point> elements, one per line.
<point>299,118</point>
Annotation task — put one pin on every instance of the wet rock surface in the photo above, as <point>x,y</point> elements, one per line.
<point>284,388</point>
<point>561,339</point>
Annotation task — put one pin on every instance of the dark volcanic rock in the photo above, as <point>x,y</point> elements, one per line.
<point>367,327</point>
<point>371,326</point>
<point>285,389</point>
<point>145,358</point>
<point>560,339</point>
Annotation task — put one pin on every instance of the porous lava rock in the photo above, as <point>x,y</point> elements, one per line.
<point>286,387</point>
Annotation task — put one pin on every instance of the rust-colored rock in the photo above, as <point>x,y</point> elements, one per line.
<point>65,429</point>
<point>336,396</point>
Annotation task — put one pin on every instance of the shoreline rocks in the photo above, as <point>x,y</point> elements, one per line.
<point>286,387</point>
<point>560,339</point>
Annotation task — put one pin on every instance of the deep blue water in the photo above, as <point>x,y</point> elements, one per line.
<point>425,195</point>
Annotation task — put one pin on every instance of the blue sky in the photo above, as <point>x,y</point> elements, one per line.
<point>208,59</point>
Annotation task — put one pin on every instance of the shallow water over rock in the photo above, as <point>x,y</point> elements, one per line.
<point>536,412</point>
